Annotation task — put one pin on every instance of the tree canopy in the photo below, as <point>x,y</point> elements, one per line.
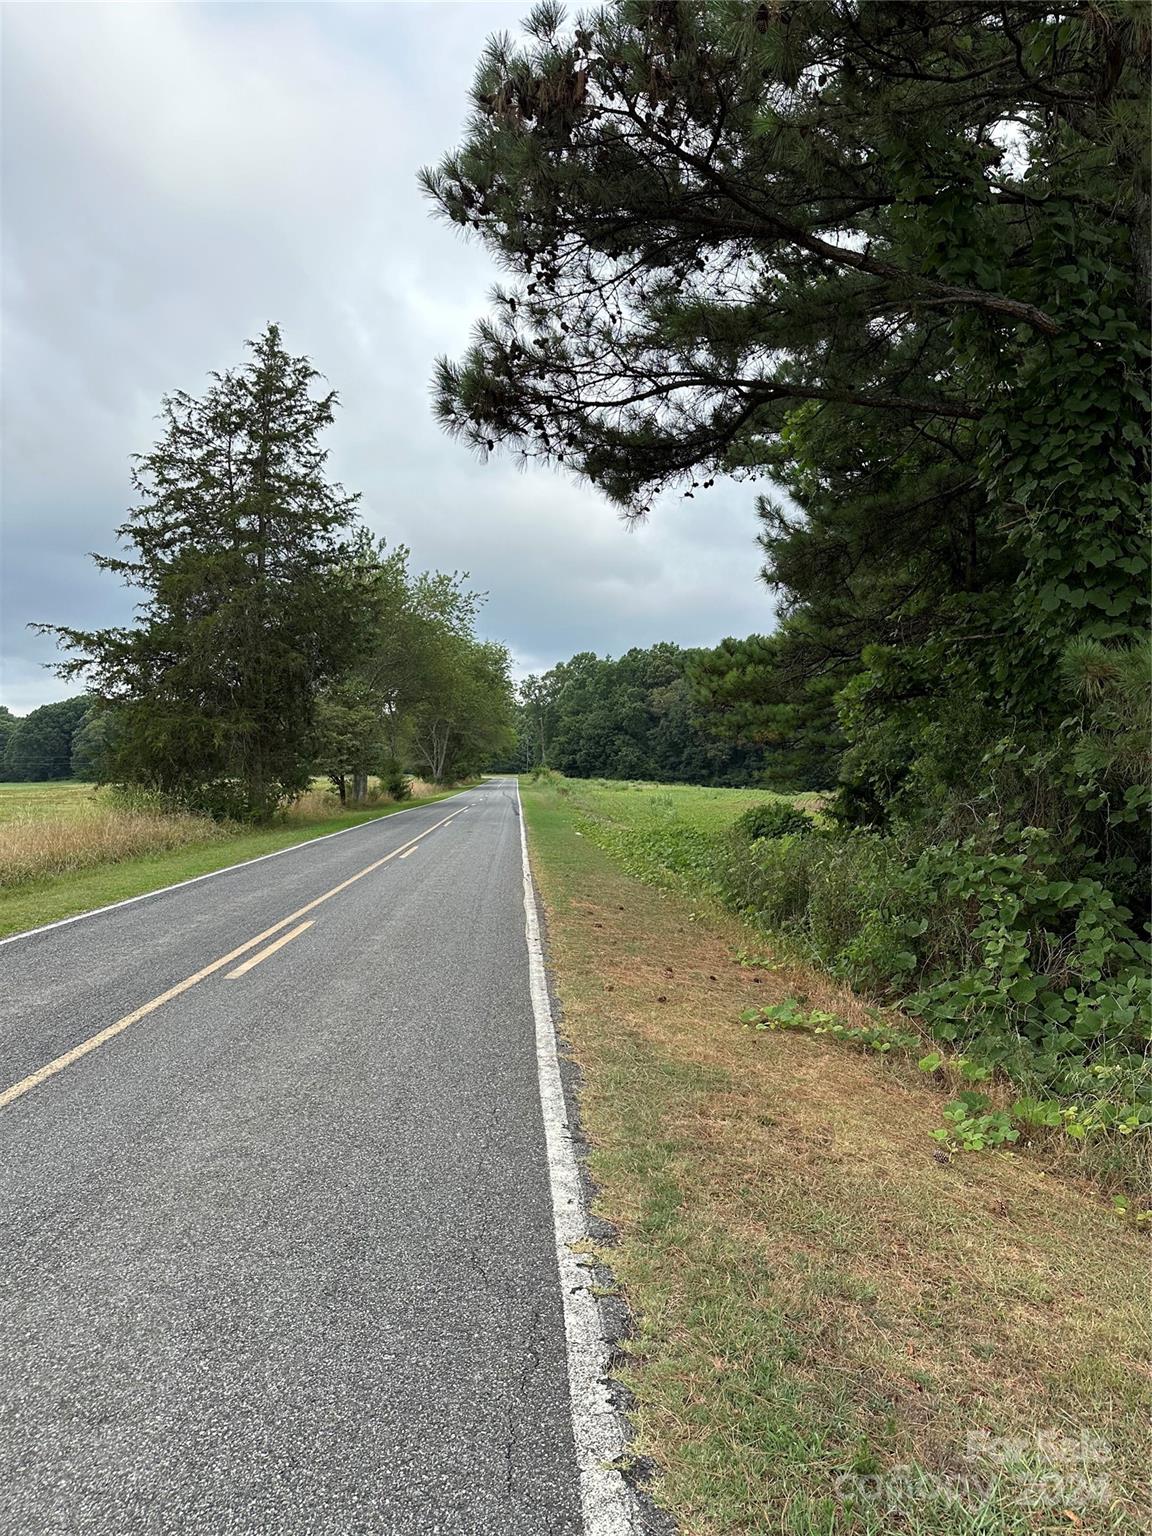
<point>635,717</point>
<point>39,745</point>
<point>894,258</point>
<point>423,690</point>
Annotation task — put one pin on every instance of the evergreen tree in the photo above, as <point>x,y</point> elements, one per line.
<point>775,692</point>
<point>92,745</point>
<point>238,543</point>
<point>895,258</point>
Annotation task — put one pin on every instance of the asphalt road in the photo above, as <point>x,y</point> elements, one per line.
<point>279,1257</point>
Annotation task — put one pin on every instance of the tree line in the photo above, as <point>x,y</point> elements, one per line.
<point>56,741</point>
<point>275,637</point>
<point>661,713</point>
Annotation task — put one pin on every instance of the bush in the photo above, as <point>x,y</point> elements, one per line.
<point>769,881</point>
<point>775,818</point>
<point>830,894</point>
<point>996,942</point>
<point>396,782</point>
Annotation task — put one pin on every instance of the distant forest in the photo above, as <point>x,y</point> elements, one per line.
<point>674,715</point>
<point>56,741</point>
<point>669,713</point>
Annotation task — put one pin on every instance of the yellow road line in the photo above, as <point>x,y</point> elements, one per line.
<point>42,1074</point>
<point>285,938</point>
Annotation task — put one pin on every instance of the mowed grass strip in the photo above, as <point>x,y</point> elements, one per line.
<point>67,848</point>
<point>829,1320</point>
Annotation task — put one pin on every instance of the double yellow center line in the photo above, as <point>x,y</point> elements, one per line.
<point>42,1074</point>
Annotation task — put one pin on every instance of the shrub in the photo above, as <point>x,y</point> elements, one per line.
<point>996,942</point>
<point>395,781</point>
<point>775,818</point>
<point>769,880</point>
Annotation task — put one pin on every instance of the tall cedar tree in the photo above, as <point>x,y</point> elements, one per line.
<point>240,545</point>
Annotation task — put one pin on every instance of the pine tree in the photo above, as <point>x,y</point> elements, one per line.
<point>894,258</point>
<point>238,543</point>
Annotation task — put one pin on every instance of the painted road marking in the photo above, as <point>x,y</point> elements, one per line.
<point>598,1432</point>
<point>409,854</point>
<point>42,1074</point>
<point>285,938</point>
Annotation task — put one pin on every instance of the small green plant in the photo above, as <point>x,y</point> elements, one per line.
<point>816,1021</point>
<point>974,1126</point>
<point>1138,1215</point>
<point>786,1015</point>
<point>1038,1114</point>
<point>775,818</point>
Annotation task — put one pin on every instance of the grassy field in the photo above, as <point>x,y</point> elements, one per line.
<point>66,848</point>
<point>838,1329</point>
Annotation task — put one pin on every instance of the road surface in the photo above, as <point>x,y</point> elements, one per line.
<point>279,1254</point>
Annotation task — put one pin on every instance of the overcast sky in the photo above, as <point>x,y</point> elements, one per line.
<point>175,176</point>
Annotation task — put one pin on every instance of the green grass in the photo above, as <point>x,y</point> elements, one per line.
<point>32,903</point>
<point>60,798</point>
<point>817,1298</point>
<point>670,834</point>
<point>645,805</point>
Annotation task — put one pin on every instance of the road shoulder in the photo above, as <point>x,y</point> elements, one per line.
<point>819,1305</point>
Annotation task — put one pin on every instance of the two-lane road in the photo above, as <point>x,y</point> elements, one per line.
<point>279,1250</point>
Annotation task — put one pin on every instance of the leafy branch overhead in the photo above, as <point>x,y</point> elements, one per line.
<point>714,212</point>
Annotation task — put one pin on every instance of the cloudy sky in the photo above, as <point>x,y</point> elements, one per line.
<point>173,177</point>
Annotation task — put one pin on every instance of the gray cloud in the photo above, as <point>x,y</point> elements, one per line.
<point>175,176</point>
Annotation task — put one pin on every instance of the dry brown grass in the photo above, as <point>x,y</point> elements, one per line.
<point>816,1290</point>
<point>33,846</point>
<point>65,828</point>
<point>321,800</point>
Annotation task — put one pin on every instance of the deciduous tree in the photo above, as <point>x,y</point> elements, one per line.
<point>40,745</point>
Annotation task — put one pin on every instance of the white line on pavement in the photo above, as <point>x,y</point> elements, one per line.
<point>607,1503</point>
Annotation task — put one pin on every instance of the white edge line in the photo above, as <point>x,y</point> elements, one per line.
<point>308,842</point>
<point>608,1505</point>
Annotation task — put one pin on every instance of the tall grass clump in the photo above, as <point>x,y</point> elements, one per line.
<point>102,831</point>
